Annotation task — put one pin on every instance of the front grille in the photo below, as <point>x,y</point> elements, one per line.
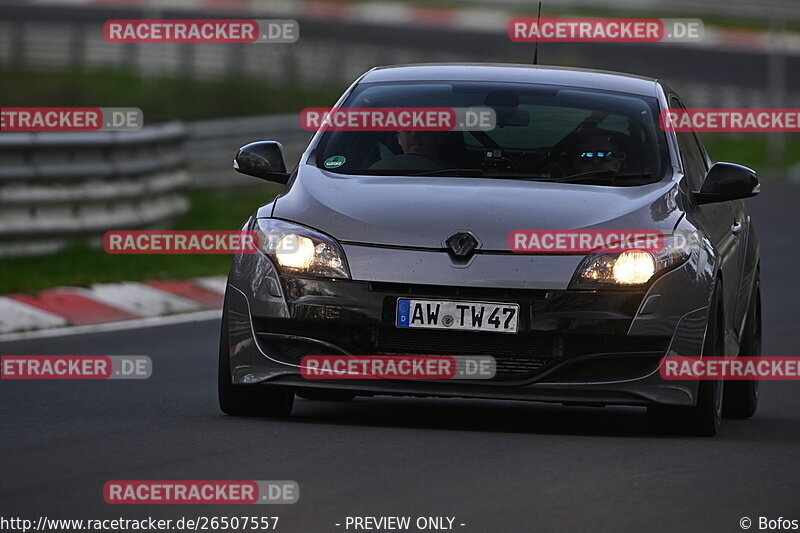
<point>514,366</point>
<point>516,355</point>
<point>611,367</point>
<point>434,342</point>
<point>478,293</point>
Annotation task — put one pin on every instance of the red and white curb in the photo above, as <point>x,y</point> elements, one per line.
<point>105,303</point>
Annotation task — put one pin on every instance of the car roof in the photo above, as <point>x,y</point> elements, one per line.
<point>516,73</point>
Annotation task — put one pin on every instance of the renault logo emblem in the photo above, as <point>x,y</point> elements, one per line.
<point>461,244</point>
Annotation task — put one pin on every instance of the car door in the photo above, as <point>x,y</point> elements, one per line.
<point>724,223</point>
<point>741,229</point>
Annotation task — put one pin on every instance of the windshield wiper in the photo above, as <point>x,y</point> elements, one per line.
<point>605,175</point>
<point>601,174</point>
<point>444,171</point>
<point>482,173</point>
<point>458,172</point>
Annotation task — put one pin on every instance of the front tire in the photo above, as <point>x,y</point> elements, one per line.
<point>741,396</point>
<point>247,400</point>
<point>704,418</point>
<point>322,395</point>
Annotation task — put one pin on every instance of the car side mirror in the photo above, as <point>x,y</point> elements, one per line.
<point>727,181</point>
<point>262,159</point>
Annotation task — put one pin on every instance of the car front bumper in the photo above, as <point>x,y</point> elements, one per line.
<point>573,347</point>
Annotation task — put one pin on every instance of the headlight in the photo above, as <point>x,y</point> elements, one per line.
<point>632,268</point>
<point>301,250</point>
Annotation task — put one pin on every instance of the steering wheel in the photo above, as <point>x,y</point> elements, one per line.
<point>548,163</point>
<point>502,164</point>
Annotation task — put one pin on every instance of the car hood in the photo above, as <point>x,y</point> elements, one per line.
<point>422,212</point>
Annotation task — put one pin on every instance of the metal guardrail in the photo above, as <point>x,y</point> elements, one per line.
<point>59,187</point>
<point>56,188</point>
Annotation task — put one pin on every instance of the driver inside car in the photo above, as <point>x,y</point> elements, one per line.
<point>595,150</point>
<point>420,151</point>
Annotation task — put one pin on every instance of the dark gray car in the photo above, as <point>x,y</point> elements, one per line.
<point>388,223</point>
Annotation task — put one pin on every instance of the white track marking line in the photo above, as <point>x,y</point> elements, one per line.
<point>124,325</point>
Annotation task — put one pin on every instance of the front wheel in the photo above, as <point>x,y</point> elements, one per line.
<point>704,418</point>
<point>322,395</point>
<point>247,400</point>
<point>741,396</point>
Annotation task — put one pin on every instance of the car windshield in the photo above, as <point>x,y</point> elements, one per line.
<point>539,132</point>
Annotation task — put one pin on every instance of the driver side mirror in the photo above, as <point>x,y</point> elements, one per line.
<point>262,159</point>
<point>727,181</point>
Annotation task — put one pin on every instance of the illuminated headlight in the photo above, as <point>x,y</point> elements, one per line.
<point>301,250</point>
<point>632,268</point>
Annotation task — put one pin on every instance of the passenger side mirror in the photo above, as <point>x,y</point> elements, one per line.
<point>727,181</point>
<point>262,159</point>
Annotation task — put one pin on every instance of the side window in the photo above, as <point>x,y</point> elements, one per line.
<point>703,152</point>
<point>694,160</point>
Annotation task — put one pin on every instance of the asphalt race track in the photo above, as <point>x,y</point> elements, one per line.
<point>494,466</point>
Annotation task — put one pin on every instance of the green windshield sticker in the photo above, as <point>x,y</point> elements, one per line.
<point>334,162</point>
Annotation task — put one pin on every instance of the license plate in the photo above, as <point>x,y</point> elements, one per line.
<point>469,316</point>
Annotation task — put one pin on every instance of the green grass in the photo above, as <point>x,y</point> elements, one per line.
<point>752,150</point>
<point>80,265</point>
<point>160,99</point>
